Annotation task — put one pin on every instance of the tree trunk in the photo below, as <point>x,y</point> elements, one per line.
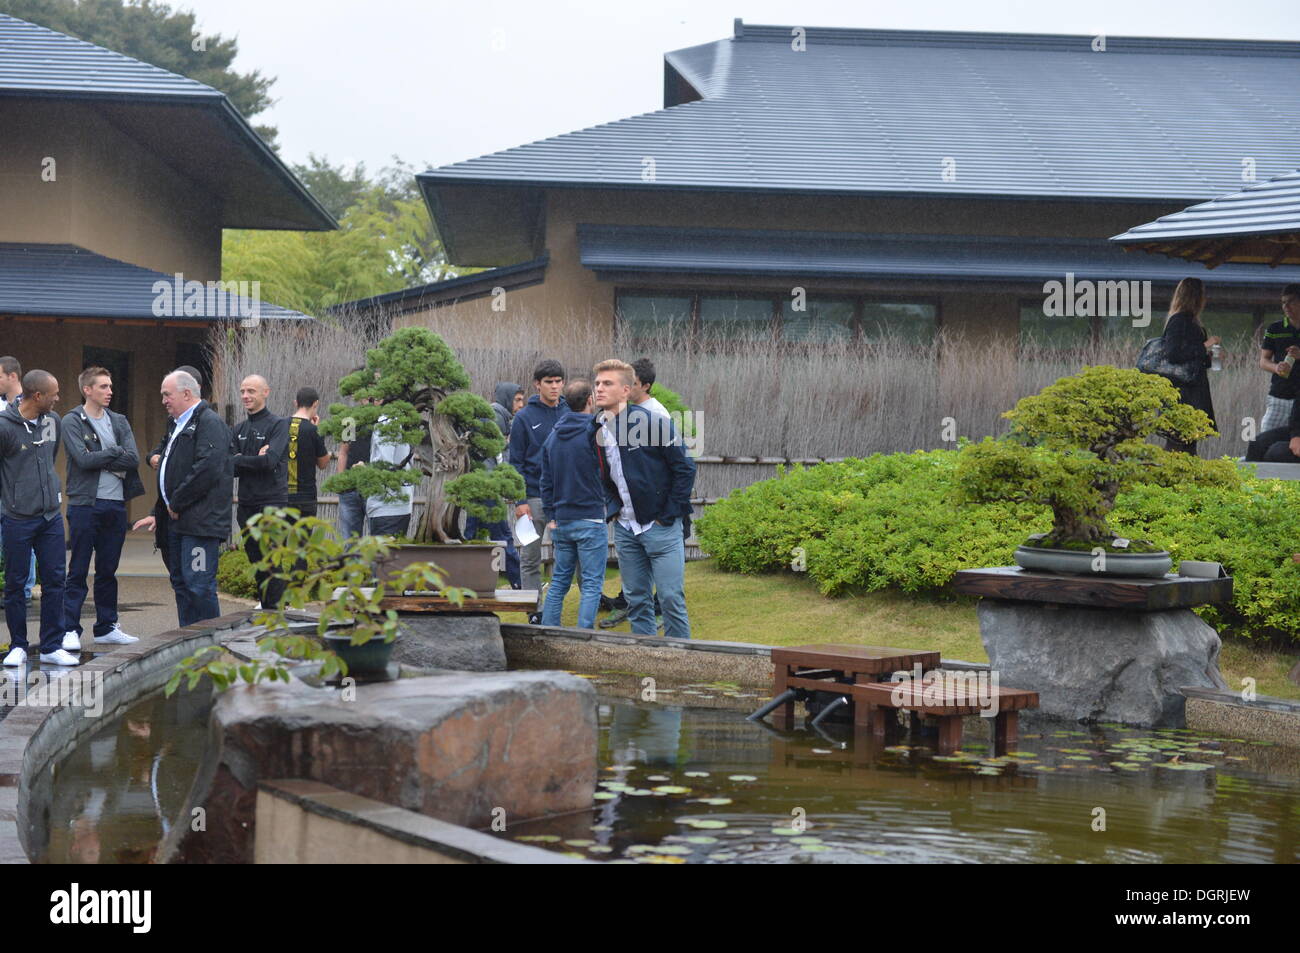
<point>442,456</point>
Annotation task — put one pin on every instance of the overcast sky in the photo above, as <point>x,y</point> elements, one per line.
<point>436,82</point>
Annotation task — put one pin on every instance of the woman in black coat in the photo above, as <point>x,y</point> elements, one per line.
<point>1189,344</point>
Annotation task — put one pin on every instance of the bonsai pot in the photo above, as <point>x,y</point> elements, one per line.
<point>368,658</point>
<point>1081,561</point>
<point>468,565</point>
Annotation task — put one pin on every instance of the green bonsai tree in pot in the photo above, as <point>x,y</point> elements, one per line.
<point>412,391</point>
<point>1076,445</point>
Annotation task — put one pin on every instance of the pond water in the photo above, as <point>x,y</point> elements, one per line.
<point>113,798</point>
<point>680,784</point>
<point>697,783</point>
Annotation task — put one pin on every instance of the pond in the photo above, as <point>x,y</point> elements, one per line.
<point>114,797</point>
<point>683,784</point>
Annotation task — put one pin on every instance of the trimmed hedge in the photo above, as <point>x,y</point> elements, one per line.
<point>895,521</point>
<point>235,575</point>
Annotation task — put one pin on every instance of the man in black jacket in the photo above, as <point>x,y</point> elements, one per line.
<point>259,447</point>
<point>195,483</point>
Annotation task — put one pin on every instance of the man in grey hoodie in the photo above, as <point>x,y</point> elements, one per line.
<point>503,399</point>
<point>30,497</point>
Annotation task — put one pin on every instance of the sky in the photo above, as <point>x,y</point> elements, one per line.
<point>436,82</point>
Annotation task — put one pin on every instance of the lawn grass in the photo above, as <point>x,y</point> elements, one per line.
<point>787,609</point>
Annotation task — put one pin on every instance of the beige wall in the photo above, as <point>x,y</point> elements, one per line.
<point>572,293</point>
<point>56,346</point>
<point>111,194</point>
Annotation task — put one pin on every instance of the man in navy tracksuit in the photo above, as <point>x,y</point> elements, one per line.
<point>573,493</point>
<point>648,476</point>
<point>531,426</point>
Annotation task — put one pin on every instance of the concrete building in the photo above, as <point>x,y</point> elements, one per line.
<point>116,180</point>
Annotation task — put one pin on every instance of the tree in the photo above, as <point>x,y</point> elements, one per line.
<point>1078,443</point>
<point>412,391</point>
<point>154,33</point>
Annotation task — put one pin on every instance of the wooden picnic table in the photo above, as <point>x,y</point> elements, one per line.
<point>827,668</point>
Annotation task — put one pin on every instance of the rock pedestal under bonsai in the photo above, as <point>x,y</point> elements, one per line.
<point>412,391</point>
<point>1073,448</point>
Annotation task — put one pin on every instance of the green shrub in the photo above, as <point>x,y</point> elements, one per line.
<point>235,575</point>
<point>895,521</point>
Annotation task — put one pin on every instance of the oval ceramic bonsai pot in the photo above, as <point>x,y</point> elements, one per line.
<point>368,658</point>
<point>468,565</point>
<point>1081,561</point>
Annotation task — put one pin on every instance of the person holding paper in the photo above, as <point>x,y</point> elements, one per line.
<point>529,430</point>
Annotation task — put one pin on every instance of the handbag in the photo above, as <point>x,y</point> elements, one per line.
<point>1154,359</point>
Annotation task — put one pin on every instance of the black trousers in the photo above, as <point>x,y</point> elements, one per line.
<point>1272,446</point>
<point>269,590</point>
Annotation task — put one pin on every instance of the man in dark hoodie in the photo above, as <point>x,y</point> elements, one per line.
<point>195,482</point>
<point>573,493</point>
<point>259,446</point>
<point>528,432</point>
<point>502,412</point>
<point>29,513</point>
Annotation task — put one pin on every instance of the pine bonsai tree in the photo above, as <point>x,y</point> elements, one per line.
<point>1078,443</point>
<point>412,391</point>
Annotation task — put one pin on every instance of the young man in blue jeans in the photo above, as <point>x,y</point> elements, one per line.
<point>648,478</point>
<point>573,495</point>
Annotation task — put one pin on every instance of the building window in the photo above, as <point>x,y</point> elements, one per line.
<point>118,365</point>
<point>713,318</point>
<point>911,323</point>
<point>736,318</point>
<point>1053,332</point>
<point>1238,328</point>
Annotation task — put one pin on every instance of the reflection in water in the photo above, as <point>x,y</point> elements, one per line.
<point>114,797</point>
<point>704,785</point>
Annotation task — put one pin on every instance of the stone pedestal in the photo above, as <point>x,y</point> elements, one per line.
<point>457,747</point>
<point>1102,664</point>
<point>465,643</point>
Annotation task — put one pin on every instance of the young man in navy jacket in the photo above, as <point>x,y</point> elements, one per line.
<point>648,477</point>
<point>531,426</point>
<point>573,493</point>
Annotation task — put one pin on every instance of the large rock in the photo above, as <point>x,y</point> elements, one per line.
<point>1102,664</point>
<point>455,747</point>
<point>466,643</point>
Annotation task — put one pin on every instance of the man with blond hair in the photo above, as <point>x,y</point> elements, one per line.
<point>102,479</point>
<point>649,477</point>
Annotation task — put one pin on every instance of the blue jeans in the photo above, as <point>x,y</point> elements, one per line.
<point>573,542</point>
<point>352,513</point>
<point>193,573</point>
<point>100,529</point>
<point>42,538</point>
<point>653,562</point>
<point>499,530</point>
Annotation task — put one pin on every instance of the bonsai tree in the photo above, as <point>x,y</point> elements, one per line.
<point>1078,443</point>
<point>412,391</point>
<point>319,567</point>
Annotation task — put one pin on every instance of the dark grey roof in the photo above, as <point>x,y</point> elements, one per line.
<point>878,112</point>
<point>614,249</point>
<point>198,130</point>
<point>451,290</point>
<point>67,281</point>
<point>1258,223</point>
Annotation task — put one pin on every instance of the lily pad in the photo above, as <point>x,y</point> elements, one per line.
<point>540,838</point>
<point>741,777</point>
<point>671,789</point>
<point>605,795</point>
<point>1185,766</point>
<point>697,774</point>
<point>714,801</point>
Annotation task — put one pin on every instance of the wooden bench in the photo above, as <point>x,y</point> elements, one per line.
<point>949,702</point>
<point>830,668</point>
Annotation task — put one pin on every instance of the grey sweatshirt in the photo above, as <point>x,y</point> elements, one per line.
<point>29,484</point>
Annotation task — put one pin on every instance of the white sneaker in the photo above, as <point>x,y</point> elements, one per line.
<point>60,657</point>
<point>258,607</point>
<point>16,657</point>
<point>114,636</point>
<point>72,641</point>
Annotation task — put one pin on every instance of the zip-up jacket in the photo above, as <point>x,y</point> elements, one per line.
<point>263,477</point>
<point>29,485</point>
<point>572,488</point>
<point>199,477</point>
<point>87,456</point>
<point>531,426</point>
<point>658,472</point>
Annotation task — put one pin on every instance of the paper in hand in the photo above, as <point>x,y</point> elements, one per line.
<point>524,531</point>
